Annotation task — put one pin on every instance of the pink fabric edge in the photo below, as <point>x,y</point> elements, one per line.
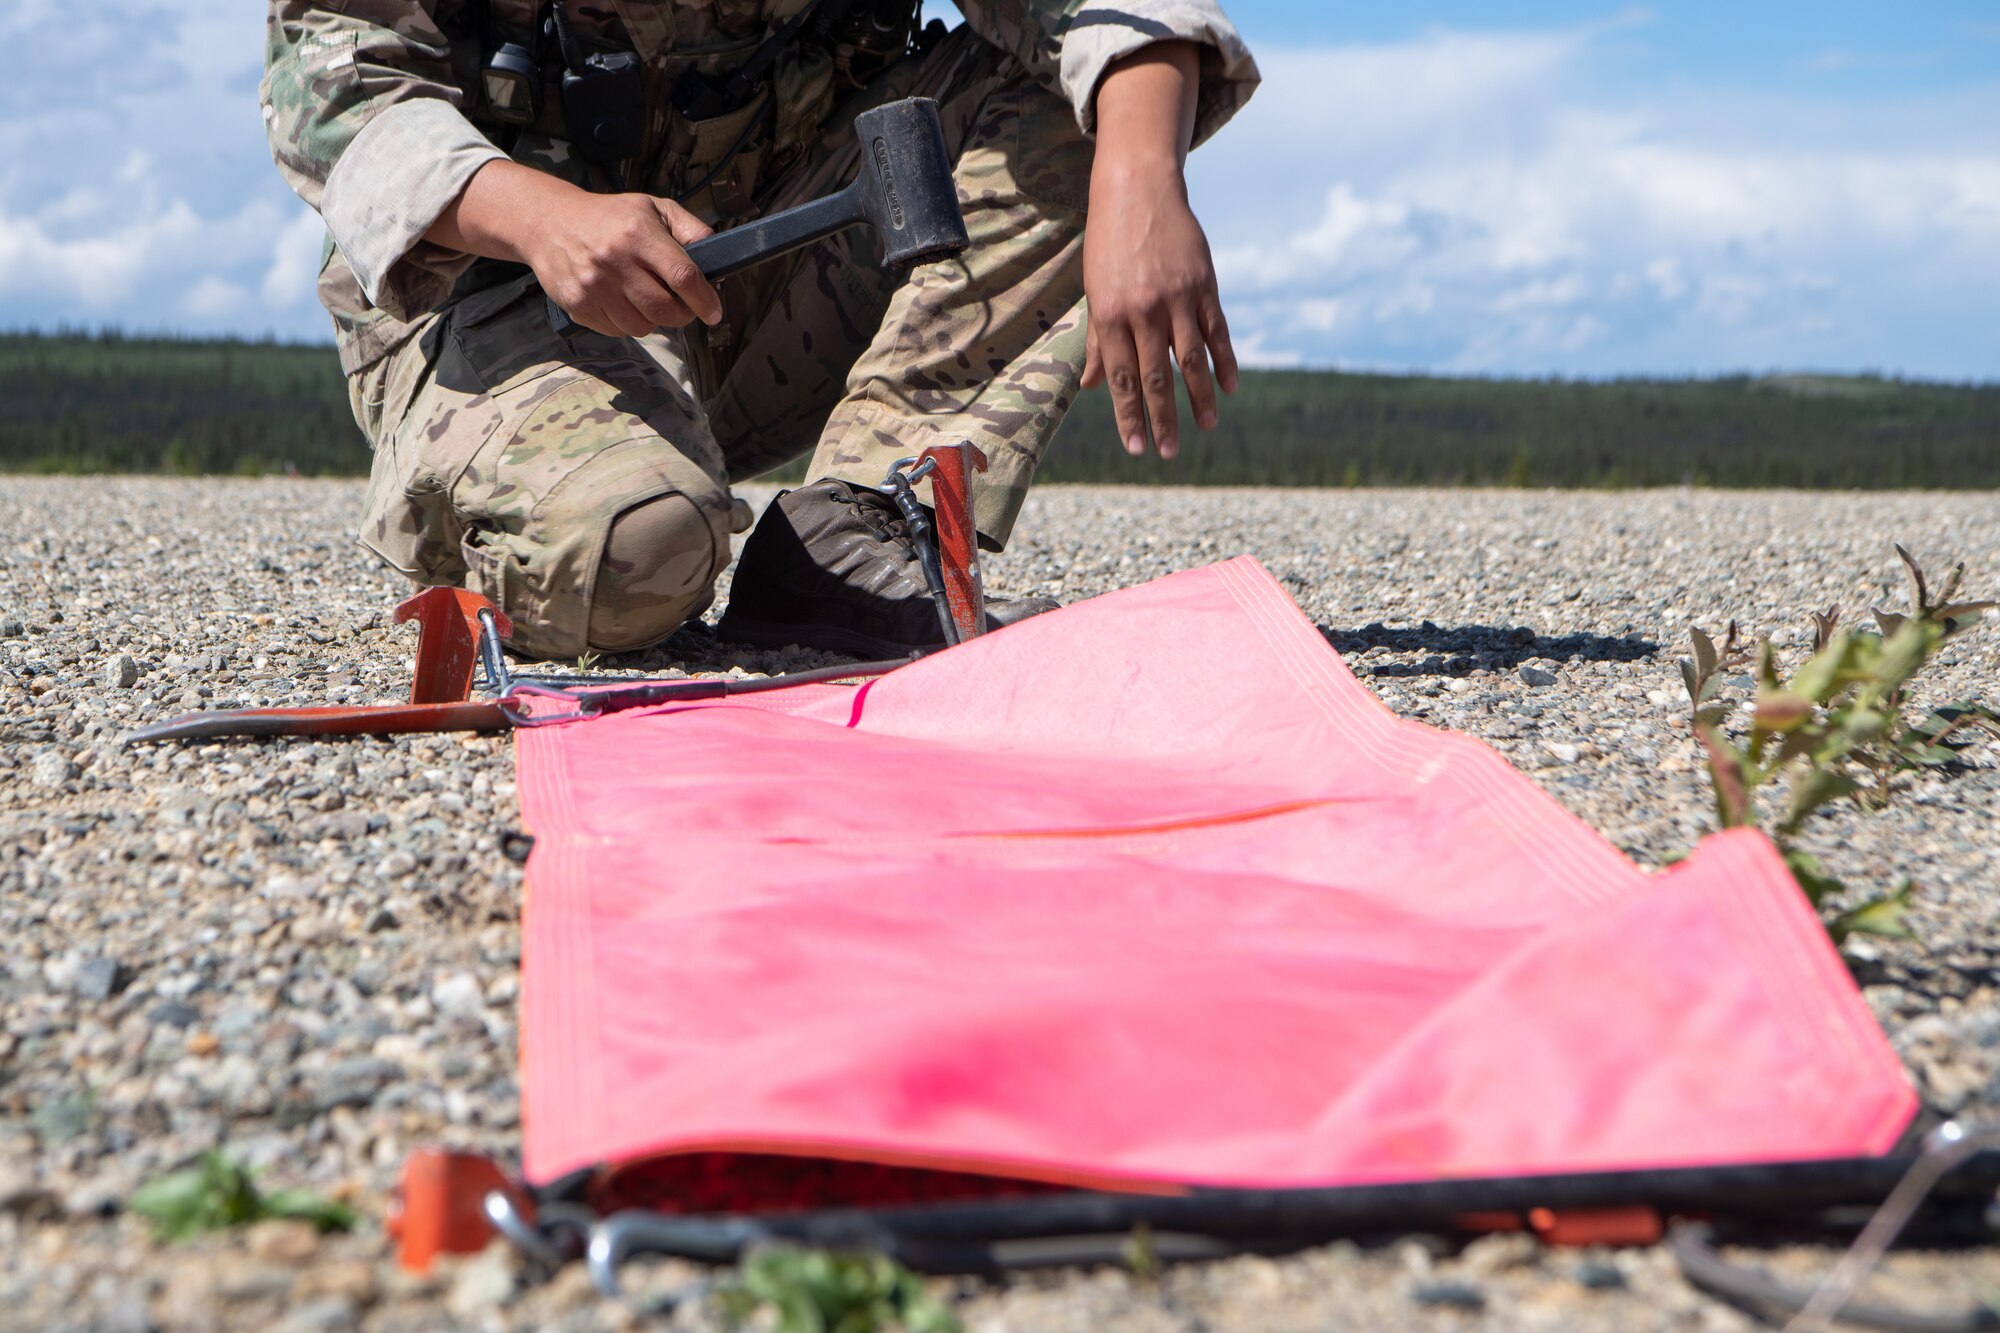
<point>1781,936</point>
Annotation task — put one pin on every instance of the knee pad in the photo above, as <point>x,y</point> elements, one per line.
<point>661,559</point>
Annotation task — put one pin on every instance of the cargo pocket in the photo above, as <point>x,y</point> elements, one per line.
<point>712,182</point>
<point>500,338</point>
<point>493,572</point>
<point>393,403</point>
<point>474,358</point>
<point>366,391</point>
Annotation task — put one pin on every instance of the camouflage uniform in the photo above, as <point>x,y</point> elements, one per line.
<point>582,482</point>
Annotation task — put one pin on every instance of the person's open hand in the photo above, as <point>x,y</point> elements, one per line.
<point>1153,304</point>
<point>1147,272</point>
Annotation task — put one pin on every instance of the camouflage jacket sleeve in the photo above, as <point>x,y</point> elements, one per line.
<point>362,113</point>
<point>1069,44</point>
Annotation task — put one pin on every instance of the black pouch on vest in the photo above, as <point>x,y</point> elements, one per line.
<point>604,106</point>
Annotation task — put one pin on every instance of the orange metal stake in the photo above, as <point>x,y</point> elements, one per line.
<point>447,642</point>
<point>957,539</point>
<point>439,1208</point>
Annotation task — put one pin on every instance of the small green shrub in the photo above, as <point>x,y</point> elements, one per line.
<point>1838,728</point>
<point>218,1192</point>
<point>818,1291</point>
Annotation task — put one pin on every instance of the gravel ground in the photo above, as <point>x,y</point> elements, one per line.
<point>307,952</point>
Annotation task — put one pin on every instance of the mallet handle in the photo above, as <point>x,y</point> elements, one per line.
<point>731,251</point>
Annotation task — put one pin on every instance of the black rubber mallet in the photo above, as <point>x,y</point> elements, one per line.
<point>904,190</point>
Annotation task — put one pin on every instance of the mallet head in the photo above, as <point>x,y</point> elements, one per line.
<point>904,190</point>
<point>906,184</point>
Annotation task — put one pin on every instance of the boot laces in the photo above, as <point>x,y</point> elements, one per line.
<point>879,514</point>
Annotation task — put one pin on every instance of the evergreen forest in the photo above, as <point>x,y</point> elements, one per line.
<point>87,403</point>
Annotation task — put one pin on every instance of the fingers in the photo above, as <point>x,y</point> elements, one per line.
<point>684,226</point>
<point>1156,382</point>
<point>623,271</point>
<point>661,254</point>
<point>1216,330</point>
<point>657,304</point>
<point>610,311</point>
<point>1119,364</point>
<point>1136,358</point>
<point>687,280</point>
<point>1191,352</point>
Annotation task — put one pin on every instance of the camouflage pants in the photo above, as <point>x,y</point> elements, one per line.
<point>582,482</point>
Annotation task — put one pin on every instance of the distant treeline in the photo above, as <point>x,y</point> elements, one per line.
<point>1318,428</point>
<point>105,403</point>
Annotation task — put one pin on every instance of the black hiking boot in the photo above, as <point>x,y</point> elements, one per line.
<point>832,566</point>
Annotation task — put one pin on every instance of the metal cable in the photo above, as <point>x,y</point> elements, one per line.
<point>1694,1251</point>
<point>1945,1149</point>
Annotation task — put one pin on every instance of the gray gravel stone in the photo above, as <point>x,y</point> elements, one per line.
<point>22,1196</point>
<point>328,1314</point>
<point>459,996</point>
<point>1536,678</point>
<point>120,671</point>
<point>1499,1252</point>
<point>127,1314</point>
<point>238,1018</point>
<point>481,1283</point>
<point>396,865</point>
<point>101,978</point>
<point>1597,1275</point>
<point>353,1082</point>
<point>60,1119</point>
<point>243,1279</point>
<point>51,768</point>
<point>1453,1294</point>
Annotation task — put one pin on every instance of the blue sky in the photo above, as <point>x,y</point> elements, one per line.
<point>1533,188</point>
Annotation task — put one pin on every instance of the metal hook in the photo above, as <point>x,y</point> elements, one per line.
<point>900,485</point>
<point>506,1218</point>
<point>905,473</point>
<point>513,704</point>
<point>1945,1149</point>
<point>492,657</point>
<point>616,1238</point>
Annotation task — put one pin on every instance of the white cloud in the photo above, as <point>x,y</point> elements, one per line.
<point>1316,313</point>
<point>1253,349</point>
<point>1565,290</point>
<point>1496,202</point>
<point>1664,273</point>
<point>295,257</point>
<point>98,253</point>
<point>136,189</point>
<point>98,269</point>
<point>212,296</point>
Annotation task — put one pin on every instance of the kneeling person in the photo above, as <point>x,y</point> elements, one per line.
<point>464,160</point>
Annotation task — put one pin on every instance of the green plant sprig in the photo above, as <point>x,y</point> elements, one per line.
<point>1837,728</point>
<point>821,1291</point>
<point>218,1192</point>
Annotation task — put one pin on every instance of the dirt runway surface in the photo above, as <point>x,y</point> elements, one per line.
<point>307,953</point>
